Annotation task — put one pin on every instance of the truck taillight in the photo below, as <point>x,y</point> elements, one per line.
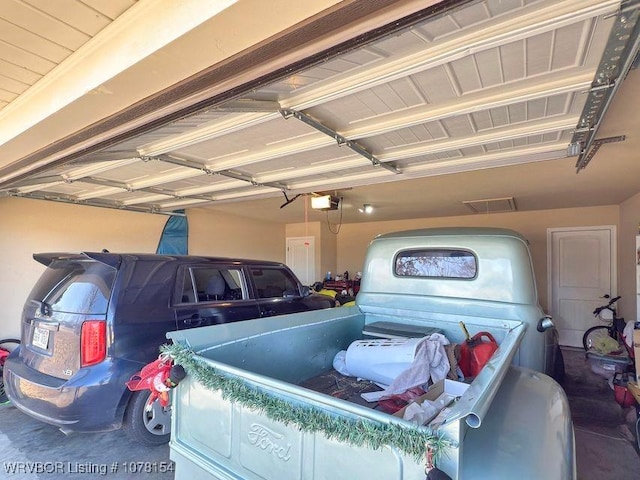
<point>93,342</point>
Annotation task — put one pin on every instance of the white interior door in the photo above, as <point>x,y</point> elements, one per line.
<point>581,272</point>
<point>301,258</point>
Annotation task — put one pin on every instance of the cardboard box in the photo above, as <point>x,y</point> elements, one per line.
<point>636,352</point>
<point>444,392</point>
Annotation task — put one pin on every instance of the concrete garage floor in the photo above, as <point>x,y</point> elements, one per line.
<point>605,442</point>
<point>604,431</point>
<point>28,446</point>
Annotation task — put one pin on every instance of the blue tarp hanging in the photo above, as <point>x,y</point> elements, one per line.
<point>175,235</point>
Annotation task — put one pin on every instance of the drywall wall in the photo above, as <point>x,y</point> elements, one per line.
<point>222,235</point>
<point>354,238</point>
<point>30,226</point>
<point>627,257</point>
<point>329,235</point>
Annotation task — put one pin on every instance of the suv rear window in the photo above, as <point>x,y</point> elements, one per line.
<point>436,263</point>
<point>76,287</point>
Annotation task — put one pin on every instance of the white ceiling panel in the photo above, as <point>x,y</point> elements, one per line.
<point>458,126</point>
<point>498,7</point>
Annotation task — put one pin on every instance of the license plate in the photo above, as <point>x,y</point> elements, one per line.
<point>40,338</point>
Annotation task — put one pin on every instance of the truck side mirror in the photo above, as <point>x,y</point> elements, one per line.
<point>545,323</point>
<point>305,291</point>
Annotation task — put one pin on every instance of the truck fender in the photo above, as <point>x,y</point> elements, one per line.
<point>527,432</point>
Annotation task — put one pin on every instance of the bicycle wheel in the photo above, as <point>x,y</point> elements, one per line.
<point>3,396</point>
<point>14,342</point>
<point>594,336</point>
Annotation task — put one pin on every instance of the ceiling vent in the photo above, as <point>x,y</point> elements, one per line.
<point>492,205</point>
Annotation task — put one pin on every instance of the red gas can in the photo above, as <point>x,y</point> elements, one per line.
<point>475,352</point>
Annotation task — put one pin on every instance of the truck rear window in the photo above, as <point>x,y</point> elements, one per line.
<point>75,287</point>
<point>436,263</point>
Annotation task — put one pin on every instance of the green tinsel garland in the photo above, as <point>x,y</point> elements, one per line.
<point>360,432</point>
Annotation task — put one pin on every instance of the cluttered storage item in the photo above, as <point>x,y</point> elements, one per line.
<point>395,364</point>
<point>381,360</point>
<point>622,394</point>
<point>475,351</point>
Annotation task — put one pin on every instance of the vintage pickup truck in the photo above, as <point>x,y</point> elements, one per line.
<point>246,409</point>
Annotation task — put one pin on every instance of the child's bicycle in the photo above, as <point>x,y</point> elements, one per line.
<point>614,329</point>
<point>6,347</point>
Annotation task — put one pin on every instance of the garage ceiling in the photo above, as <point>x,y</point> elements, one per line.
<point>478,102</point>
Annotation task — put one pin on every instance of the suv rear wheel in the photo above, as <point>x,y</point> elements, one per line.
<point>147,421</point>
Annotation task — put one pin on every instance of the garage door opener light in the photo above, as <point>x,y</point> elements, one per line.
<point>325,202</point>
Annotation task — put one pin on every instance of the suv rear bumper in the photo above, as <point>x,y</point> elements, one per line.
<point>85,403</point>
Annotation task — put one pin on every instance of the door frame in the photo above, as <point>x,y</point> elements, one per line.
<point>613,254</point>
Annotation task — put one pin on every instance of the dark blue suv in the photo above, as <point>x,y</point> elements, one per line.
<point>94,319</point>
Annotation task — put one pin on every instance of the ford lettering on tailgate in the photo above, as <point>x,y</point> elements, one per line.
<point>267,440</point>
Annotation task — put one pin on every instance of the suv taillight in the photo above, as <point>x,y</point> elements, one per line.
<point>93,342</point>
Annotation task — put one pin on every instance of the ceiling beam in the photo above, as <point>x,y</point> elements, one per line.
<point>537,18</point>
<point>35,183</point>
<point>313,141</point>
<point>95,203</point>
<point>229,124</point>
<point>516,156</point>
<point>332,165</point>
<point>539,127</point>
<point>128,188</point>
<point>542,86</point>
<point>174,175</point>
<point>439,167</point>
<point>245,193</point>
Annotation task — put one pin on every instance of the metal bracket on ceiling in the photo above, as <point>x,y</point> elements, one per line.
<point>617,59</point>
<point>341,140</point>
<point>595,146</point>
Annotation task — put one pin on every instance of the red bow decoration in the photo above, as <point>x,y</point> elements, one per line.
<point>159,376</point>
